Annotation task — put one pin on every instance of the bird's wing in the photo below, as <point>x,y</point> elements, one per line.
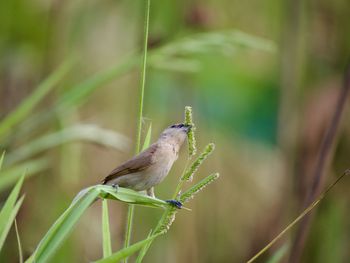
<point>138,163</point>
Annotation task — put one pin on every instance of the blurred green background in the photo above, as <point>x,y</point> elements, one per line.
<point>262,77</point>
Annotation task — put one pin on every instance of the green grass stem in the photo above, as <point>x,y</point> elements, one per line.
<point>140,118</point>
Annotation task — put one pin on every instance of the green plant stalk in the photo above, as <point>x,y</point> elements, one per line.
<point>20,251</point>
<point>106,235</point>
<point>179,185</point>
<point>187,195</point>
<point>126,252</point>
<point>143,77</point>
<point>168,216</point>
<point>188,172</point>
<point>139,124</point>
<point>195,165</point>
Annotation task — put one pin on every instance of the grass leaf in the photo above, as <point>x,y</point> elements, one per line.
<point>26,106</point>
<point>11,175</point>
<point>64,224</point>
<point>9,205</point>
<point>147,141</point>
<point>84,132</point>
<point>129,196</point>
<point>127,252</point>
<point>77,94</point>
<point>106,234</point>
<point>62,227</point>
<point>10,217</point>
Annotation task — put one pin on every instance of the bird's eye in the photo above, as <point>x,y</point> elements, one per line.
<point>173,126</point>
<point>181,125</point>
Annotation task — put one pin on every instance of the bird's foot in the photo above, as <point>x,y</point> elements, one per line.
<point>115,186</point>
<point>175,203</point>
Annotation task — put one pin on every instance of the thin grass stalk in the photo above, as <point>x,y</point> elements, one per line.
<point>300,217</point>
<point>324,158</point>
<point>139,124</point>
<point>20,251</point>
<point>168,216</point>
<point>106,234</point>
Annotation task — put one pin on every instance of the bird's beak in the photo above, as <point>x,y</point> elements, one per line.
<point>187,127</point>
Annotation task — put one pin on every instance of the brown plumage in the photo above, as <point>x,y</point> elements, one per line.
<point>152,165</point>
<point>136,164</point>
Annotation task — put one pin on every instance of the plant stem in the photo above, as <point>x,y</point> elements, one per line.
<point>168,213</point>
<point>179,185</point>
<point>139,123</point>
<point>300,217</point>
<point>323,160</point>
<point>143,77</point>
<point>129,227</point>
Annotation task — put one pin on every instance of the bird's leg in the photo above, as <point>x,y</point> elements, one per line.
<point>150,192</point>
<point>176,203</point>
<point>115,186</point>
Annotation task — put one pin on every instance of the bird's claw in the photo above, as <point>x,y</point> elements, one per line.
<point>115,186</point>
<point>175,203</point>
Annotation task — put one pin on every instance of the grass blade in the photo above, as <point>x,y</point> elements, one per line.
<point>64,224</point>
<point>127,252</point>
<point>11,175</point>
<point>83,132</point>
<point>20,251</point>
<point>106,235</point>
<point>9,205</point>
<point>129,196</point>
<point>62,227</point>
<point>10,217</point>
<point>30,102</point>
<point>147,141</point>
<point>76,95</point>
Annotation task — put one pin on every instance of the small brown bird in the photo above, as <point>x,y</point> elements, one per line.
<point>152,165</point>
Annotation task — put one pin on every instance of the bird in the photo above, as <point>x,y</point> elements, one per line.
<point>148,168</point>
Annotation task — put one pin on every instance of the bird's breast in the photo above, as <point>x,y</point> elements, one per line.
<point>164,160</point>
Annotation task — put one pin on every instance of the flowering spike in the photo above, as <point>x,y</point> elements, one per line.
<point>188,175</point>
<point>189,194</point>
<point>191,138</point>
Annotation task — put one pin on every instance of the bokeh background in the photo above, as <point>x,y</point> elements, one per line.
<point>263,78</point>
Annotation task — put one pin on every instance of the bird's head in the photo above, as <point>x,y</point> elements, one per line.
<point>176,134</point>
